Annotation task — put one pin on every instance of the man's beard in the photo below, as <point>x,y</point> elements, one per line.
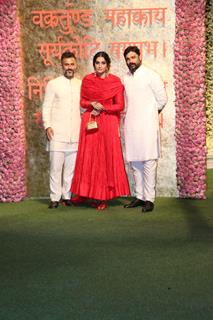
<point>133,67</point>
<point>69,74</point>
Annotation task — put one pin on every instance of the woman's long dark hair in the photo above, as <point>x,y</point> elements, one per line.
<point>104,55</point>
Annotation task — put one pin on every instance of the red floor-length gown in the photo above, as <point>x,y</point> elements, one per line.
<point>100,172</point>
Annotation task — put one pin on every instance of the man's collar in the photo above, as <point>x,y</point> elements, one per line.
<point>136,71</point>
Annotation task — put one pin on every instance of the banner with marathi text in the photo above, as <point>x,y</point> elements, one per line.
<point>49,28</point>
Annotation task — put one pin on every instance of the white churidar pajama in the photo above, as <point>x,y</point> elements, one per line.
<point>144,173</point>
<point>62,165</point>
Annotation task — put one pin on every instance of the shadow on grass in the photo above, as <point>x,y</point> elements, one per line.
<point>196,215</point>
<point>112,203</point>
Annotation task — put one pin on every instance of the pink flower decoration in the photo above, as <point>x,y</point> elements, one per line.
<point>189,67</point>
<point>13,144</point>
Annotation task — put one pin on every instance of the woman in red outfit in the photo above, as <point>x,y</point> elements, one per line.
<point>100,172</point>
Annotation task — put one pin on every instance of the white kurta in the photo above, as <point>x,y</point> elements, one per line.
<point>145,96</point>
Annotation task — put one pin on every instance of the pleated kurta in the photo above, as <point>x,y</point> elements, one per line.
<point>145,96</point>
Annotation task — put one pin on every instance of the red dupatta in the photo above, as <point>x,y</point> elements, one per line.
<point>99,89</point>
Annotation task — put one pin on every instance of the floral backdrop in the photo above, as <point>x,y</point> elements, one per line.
<point>209,75</point>
<point>12,133</point>
<point>191,123</point>
<point>190,101</point>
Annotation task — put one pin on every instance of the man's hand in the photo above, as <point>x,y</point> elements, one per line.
<point>49,133</point>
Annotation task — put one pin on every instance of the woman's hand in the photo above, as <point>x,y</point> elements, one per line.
<point>97,106</point>
<point>95,113</point>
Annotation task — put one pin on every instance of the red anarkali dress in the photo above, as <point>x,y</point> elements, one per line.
<point>100,172</point>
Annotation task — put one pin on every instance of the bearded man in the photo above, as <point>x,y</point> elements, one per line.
<point>145,99</point>
<point>61,119</point>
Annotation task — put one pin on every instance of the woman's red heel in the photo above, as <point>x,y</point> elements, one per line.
<point>102,205</point>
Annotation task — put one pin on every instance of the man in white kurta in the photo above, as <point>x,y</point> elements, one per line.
<point>61,119</point>
<point>145,98</point>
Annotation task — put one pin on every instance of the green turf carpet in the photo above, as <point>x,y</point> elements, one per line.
<point>79,264</point>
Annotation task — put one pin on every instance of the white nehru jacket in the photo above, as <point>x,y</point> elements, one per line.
<point>61,109</point>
